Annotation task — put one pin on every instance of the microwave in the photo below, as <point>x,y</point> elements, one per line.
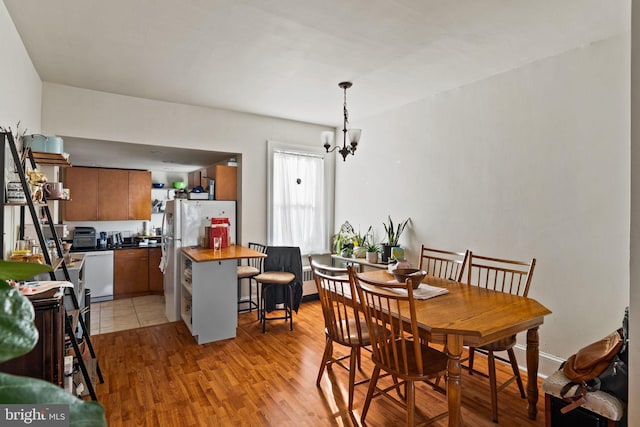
<point>62,232</point>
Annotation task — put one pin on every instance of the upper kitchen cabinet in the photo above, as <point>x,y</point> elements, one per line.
<point>195,178</point>
<point>107,194</point>
<point>139,195</point>
<point>83,189</point>
<point>113,193</point>
<point>226,181</point>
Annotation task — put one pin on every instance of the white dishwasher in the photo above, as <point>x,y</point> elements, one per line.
<point>98,274</point>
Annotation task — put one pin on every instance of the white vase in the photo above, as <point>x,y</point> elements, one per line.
<point>372,257</point>
<point>359,252</point>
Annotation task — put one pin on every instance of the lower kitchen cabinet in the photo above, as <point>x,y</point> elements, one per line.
<point>130,272</point>
<point>156,278</point>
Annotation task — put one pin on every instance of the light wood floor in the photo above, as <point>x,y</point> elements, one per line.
<point>159,376</point>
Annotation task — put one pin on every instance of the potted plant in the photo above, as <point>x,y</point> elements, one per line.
<point>343,240</point>
<point>359,242</point>
<point>18,336</point>
<point>372,250</point>
<point>393,236</point>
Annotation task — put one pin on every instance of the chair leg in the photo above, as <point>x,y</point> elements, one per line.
<point>411,403</point>
<point>493,387</point>
<point>472,353</point>
<point>263,314</point>
<point>352,375</point>
<point>258,287</point>
<point>328,351</point>
<point>290,292</point>
<point>370,392</point>
<point>516,372</point>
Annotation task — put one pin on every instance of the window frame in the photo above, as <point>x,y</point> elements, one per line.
<point>329,187</point>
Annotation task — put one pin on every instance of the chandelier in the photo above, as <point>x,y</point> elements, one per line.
<point>353,134</point>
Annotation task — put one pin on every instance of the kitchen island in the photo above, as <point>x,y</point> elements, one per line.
<point>209,290</point>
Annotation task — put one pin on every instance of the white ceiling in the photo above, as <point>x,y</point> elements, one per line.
<point>284,58</point>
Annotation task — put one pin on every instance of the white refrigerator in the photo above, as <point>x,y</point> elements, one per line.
<point>184,225</point>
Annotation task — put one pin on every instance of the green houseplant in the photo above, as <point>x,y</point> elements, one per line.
<point>18,336</point>
<point>359,242</point>
<point>372,249</point>
<point>393,236</point>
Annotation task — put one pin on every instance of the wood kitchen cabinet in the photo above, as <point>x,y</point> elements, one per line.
<point>83,185</point>
<point>139,195</point>
<point>99,194</point>
<point>130,272</point>
<point>113,192</point>
<point>156,279</point>
<point>226,177</point>
<point>194,178</point>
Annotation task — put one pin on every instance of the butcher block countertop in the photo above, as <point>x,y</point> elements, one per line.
<point>199,254</point>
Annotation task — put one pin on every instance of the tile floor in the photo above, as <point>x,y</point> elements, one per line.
<point>130,313</point>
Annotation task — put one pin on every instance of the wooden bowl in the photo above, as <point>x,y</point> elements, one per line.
<point>414,274</point>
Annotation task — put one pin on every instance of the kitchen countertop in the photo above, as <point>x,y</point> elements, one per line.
<point>115,248</point>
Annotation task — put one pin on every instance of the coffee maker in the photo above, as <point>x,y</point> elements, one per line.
<point>102,243</point>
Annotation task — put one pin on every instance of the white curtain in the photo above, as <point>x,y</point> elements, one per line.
<point>298,216</point>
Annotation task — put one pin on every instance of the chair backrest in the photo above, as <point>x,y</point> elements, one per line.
<point>444,264</point>
<point>327,269</point>
<point>504,275</point>
<point>342,318</point>
<point>257,262</point>
<point>393,346</point>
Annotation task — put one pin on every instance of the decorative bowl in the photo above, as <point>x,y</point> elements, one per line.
<point>414,274</point>
<point>157,185</point>
<point>179,185</point>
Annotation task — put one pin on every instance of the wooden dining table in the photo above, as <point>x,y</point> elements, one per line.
<point>473,316</point>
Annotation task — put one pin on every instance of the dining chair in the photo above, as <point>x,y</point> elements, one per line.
<point>443,263</point>
<point>396,348</point>
<point>250,271</point>
<point>508,276</point>
<point>344,323</point>
<point>280,284</point>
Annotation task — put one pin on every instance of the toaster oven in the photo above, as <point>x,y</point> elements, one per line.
<point>84,237</point>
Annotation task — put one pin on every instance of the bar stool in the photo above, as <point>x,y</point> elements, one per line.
<point>250,271</point>
<point>271,280</point>
<point>281,283</point>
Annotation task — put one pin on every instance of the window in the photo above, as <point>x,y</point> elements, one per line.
<point>300,182</point>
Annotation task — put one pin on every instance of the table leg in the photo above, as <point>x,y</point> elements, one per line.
<point>454,378</point>
<point>532,371</point>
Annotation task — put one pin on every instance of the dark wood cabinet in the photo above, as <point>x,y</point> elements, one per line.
<point>83,185</point>
<point>139,195</point>
<point>130,272</point>
<point>46,360</point>
<point>156,279</point>
<point>107,194</point>
<point>113,190</point>
<point>226,181</point>
<point>195,178</point>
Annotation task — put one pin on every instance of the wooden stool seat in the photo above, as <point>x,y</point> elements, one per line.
<point>246,271</point>
<point>276,277</point>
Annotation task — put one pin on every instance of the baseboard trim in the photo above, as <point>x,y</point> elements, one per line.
<point>548,363</point>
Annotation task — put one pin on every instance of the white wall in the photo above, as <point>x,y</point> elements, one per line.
<point>634,319</point>
<point>20,95</point>
<point>529,163</point>
<point>89,114</point>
